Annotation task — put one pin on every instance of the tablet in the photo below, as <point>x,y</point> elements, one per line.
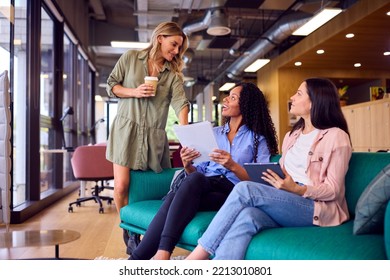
<point>255,171</point>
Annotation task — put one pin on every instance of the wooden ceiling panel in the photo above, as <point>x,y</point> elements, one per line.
<point>372,39</point>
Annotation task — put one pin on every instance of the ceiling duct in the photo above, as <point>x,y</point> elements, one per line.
<point>219,24</point>
<point>98,10</point>
<point>270,39</point>
<point>198,26</point>
<point>214,19</point>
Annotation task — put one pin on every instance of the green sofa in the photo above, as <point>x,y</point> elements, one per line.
<point>318,243</point>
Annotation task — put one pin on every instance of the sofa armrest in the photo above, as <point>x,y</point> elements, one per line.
<point>387,230</point>
<point>148,185</point>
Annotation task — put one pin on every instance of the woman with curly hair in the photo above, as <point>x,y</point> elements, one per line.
<point>315,159</point>
<point>248,135</point>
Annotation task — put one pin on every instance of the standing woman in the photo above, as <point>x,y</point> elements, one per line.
<point>315,159</point>
<point>137,139</point>
<point>248,135</point>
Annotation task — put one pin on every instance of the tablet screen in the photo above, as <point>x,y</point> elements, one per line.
<point>255,171</point>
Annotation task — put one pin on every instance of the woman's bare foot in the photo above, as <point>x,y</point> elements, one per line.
<point>198,254</point>
<point>162,255</point>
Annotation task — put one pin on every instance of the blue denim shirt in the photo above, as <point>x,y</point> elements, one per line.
<point>241,151</point>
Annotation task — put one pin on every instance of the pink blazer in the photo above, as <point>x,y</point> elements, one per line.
<point>328,162</point>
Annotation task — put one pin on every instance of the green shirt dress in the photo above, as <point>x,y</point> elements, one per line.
<point>137,136</point>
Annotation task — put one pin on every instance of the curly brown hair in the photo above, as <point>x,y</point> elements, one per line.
<point>256,116</point>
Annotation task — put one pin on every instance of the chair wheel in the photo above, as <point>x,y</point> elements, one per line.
<point>101,210</point>
<point>70,209</point>
<point>109,202</point>
<point>78,204</point>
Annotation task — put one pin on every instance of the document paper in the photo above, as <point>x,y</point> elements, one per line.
<point>199,136</point>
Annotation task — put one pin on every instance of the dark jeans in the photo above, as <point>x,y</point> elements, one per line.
<point>196,193</point>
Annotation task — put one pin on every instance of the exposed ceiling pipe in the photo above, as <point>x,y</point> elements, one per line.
<point>206,21</point>
<point>198,26</point>
<point>274,36</point>
<point>98,10</point>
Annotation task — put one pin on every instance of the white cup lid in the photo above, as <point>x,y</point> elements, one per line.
<point>150,78</point>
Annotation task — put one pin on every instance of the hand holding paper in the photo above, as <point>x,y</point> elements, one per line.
<point>188,155</point>
<point>199,136</point>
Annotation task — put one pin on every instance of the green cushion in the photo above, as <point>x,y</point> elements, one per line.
<point>387,230</point>
<point>275,158</point>
<point>330,243</point>
<point>363,167</point>
<point>197,227</point>
<point>139,215</point>
<point>370,209</point>
<point>148,185</point>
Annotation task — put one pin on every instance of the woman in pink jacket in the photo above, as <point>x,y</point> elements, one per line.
<point>313,190</point>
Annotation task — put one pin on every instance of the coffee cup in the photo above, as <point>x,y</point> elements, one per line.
<point>152,81</point>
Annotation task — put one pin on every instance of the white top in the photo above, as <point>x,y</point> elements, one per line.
<point>296,158</point>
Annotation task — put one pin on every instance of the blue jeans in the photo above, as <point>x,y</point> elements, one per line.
<point>250,208</point>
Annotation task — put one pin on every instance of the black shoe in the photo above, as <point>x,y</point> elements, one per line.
<point>126,236</point>
<point>132,242</point>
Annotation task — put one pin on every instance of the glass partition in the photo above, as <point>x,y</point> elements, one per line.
<point>19,101</point>
<point>47,163</point>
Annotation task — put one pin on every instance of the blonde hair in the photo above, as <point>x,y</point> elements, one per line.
<point>168,29</point>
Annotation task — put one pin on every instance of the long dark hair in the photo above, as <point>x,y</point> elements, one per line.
<point>256,116</point>
<point>325,106</point>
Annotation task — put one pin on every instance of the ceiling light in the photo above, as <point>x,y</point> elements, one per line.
<point>226,86</point>
<point>298,63</point>
<point>129,45</point>
<point>386,53</point>
<point>320,51</point>
<point>318,20</point>
<point>357,65</point>
<point>388,13</point>
<point>350,35</point>
<point>218,25</point>
<point>256,65</point>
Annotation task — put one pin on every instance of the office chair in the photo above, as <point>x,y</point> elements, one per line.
<point>176,159</point>
<point>89,163</point>
<point>104,185</point>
